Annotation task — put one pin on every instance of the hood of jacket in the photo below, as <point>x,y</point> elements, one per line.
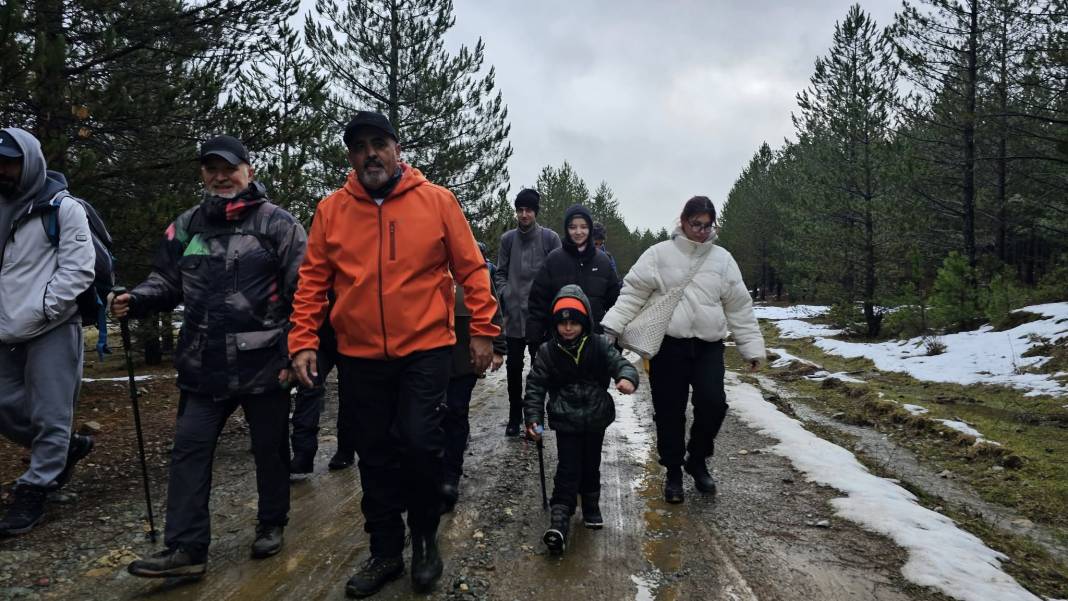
<point>410,178</point>
<point>36,186</point>
<point>569,246</point>
<point>574,291</point>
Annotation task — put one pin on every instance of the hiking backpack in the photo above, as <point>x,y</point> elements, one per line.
<point>92,304</point>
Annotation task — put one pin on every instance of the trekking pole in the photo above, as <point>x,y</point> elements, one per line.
<point>124,325</point>
<point>541,467</point>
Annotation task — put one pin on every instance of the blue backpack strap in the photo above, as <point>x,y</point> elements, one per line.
<point>50,220</point>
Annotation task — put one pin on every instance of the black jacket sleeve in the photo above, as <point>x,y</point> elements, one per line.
<point>620,368</point>
<point>162,289</point>
<point>537,387</point>
<point>539,304</point>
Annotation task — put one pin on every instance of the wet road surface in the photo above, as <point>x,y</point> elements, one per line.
<point>749,542</point>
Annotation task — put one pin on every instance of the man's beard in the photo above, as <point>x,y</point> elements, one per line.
<point>226,195</point>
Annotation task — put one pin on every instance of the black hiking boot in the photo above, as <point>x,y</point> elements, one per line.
<point>450,493</point>
<point>559,522</point>
<point>511,430</point>
<point>341,460</point>
<point>591,511</point>
<point>301,466</point>
<point>426,562</point>
<point>702,480</point>
<point>268,541</point>
<point>79,447</point>
<point>171,562</point>
<point>374,574</point>
<point>26,511</point>
<point>673,485</point>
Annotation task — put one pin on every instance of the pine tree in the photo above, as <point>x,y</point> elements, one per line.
<point>389,56</point>
<point>844,125</point>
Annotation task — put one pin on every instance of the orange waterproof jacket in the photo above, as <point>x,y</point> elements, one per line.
<point>389,268</point>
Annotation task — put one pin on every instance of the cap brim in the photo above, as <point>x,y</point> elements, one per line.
<point>10,153</point>
<point>226,155</point>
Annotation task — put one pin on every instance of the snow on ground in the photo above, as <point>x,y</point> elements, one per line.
<point>961,427</point>
<point>940,554</point>
<point>792,312</point>
<point>838,375</point>
<point>795,328</point>
<point>125,378</point>
<point>978,357</point>
<point>785,359</point>
<point>915,409</point>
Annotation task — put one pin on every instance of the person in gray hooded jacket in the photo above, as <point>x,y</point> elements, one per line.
<point>519,259</point>
<point>40,328</point>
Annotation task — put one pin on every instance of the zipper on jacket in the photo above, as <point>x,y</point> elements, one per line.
<point>235,268</point>
<point>392,240</point>
<point>381,299</point>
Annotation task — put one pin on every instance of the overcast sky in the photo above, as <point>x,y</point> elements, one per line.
<point>661,99</point>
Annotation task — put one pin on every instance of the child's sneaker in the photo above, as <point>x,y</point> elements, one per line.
<point>591,511</point>
<point>556,536</point>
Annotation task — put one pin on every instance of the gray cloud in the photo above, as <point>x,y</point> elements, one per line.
<point>663,100</point>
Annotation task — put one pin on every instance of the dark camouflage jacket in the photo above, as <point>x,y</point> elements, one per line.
<point>236,278</point>
<point>576,379</point>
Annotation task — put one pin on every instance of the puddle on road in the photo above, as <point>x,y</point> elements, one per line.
<point>646,588</point>
<point>631,430</point>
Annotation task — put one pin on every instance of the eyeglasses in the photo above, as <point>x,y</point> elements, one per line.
<point>702,226</point>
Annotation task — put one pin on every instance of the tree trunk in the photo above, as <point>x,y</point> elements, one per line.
<point>167,333</point>
<point>49,58</point>
<point>968,137</point>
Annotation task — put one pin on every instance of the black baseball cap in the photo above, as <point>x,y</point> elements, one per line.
<point>9,148</point>
<point>228,147</point>
<point>369,119</point>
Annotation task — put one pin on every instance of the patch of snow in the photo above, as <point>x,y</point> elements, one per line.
<point>795,328</point>
<point>841,376</point>
<point>961,427</point>
<point>125,378</point>
<point>792,312</point>
<point>977,357</point>
<point>916,409</point>
<point>786,358</point>
<point>940,554</point>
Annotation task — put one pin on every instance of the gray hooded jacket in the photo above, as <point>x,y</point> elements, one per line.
<point>39,281</point>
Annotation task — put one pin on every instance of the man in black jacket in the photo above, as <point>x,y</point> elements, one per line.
<point>232,260</point>
<point>577,262</point>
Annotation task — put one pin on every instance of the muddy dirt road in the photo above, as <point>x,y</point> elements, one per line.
<point>758,539</point>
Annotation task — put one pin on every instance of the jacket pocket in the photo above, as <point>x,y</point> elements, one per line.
<point>259,357</point>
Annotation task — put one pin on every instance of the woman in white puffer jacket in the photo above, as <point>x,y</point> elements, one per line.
<point>714,302</point>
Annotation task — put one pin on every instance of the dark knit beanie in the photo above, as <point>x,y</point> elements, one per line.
<point>528,198</point>
<point>598,232</point>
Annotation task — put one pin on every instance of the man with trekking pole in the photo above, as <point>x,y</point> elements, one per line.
<point>40,323</point>
<point>232,260</point>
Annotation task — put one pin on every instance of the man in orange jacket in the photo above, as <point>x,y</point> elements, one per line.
<point>385,243</point>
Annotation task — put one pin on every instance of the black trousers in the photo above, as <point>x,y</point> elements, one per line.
<point>308,407</point>
<point>517,347</point>
<point>456,424</point>
<point>578,468</point>
<point>200,421</point>
<point>400,405</point>
<point>683,363</point>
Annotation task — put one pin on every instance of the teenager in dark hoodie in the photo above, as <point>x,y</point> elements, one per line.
<point>577,262</point>
<point>574,368</point>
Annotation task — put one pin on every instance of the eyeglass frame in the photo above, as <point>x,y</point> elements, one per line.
<point>701,227</point>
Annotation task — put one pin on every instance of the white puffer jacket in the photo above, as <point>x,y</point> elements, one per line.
<point>713,303</point>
